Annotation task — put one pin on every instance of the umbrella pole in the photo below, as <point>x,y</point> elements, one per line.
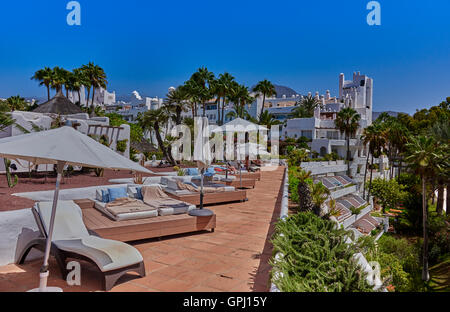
<point>240,173</point>
<point>201,190</point>
<point>44,269</point>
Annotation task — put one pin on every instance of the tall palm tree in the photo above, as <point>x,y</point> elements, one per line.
<point>78,79</point>
<point>176,103</point>
<point>423,154</point>
<point>154,120</point>
<point>191,88</point>
<point>96,76</point>
<point>223,89</point>
<point>440,131</point>
<point>347,121</point>
<point>58,78</point>
<point>240,96</point>
<point>266,89</point>
<point>204,79</point>
<point>374,138</point>
<point>45,77</point>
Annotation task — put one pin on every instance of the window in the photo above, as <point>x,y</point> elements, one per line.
<point>307,133</point>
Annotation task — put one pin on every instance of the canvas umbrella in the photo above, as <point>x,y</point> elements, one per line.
<point>202,154</point>
<point>240,125</point>
<point>62,146</point>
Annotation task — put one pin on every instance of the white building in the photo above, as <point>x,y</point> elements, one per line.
<point>321,129</point>
<point>101,97</point>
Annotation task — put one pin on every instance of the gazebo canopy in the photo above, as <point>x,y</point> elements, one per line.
<point>58,105</point>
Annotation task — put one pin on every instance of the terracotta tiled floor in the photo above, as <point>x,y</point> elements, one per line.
<point>233,258</point>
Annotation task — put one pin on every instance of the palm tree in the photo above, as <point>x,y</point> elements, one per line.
<point>266,89</point>
<point>240,96</point>
<point>238,112</point>
<point>16,103</point>
<point>223,88</point>
<point>319,195</point>
<point>268,120</point>
<point>59,77</point>
<point>5,120</point>
<point>374,138</point>
<point>176,103</point>
<point>304,190</point>
<point>440,131</point>
<point>347,121</point>
<point>78,79</point>
<point>305,109</point>
<point>203,81</point>
<point>97,78</point>
<point>423,154</point>
<point>45,77</point>
<point>154,120</point>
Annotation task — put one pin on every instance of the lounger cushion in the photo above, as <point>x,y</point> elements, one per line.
<point>178,192</point>
<point>115,193</point>
<point>68,220</point>
<point>134,191</point>
<point>192,171</point>
<point>175,211</point>
<point>125,216</point>
<point>107,254</point>
<point>102,194</point>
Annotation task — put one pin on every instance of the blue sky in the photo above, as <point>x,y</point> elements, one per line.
<point>151,45</point>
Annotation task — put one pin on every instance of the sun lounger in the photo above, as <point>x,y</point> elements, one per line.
<point>191,193</point>
<point>157,203</point>
<point>71,239</point>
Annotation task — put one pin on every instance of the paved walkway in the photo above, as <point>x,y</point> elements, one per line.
<point>233,258</point>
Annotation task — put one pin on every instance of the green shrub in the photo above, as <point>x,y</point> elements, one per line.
<point>121,146</point>
<point>389,193</point>
<point>316,257</point>
<point>356,211</point>
<point>400,262</point>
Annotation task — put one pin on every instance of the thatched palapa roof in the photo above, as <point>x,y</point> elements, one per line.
<point>58,105</point>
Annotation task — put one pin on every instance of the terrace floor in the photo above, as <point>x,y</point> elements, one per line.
<point>233,258</point>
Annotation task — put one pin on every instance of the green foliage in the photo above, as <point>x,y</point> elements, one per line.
<point>399,261</point>
<point>136,132</point>
<point>121,146</point>
<point>297,156</point>
<point>355,211</point>
<point>305,108</point>
<point>315,257</point>
<point>133,155</point>
<point>9,179</point>
<point>389,193</point>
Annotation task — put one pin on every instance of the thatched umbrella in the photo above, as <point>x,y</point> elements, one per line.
<point>59,105</point>
<point>143,147</point>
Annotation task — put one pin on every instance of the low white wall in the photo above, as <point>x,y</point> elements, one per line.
<point>69,194</point>
<point>342,192</point>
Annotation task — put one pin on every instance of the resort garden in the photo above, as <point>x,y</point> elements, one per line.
<point>414,255</point>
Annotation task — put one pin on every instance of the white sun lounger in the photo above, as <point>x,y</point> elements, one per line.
<point>71,239</point>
